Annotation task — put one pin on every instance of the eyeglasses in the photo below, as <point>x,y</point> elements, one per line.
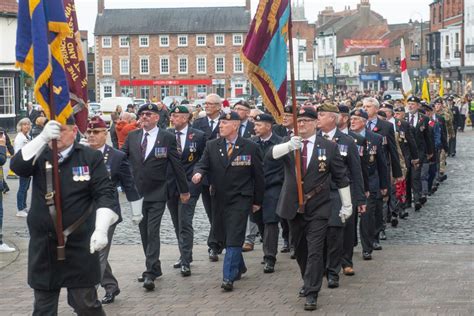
<point>211,103</point>
<point>94,132</point>
<point>305,121</point>
<point>147,114</point>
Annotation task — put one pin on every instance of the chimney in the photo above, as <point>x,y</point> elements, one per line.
<point>100,6</point>
<point>247,5</point>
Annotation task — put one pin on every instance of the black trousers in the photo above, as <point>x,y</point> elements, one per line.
<point>108,280</point>
<point>150,234</point>
<point>270,241</point>
<point>367,223</point>
<point>182,217</point>
<point>349,239</point>
<point>308,238</point>
<point>212,243</point>
<point>379,219</point>
<point>285,229</point>
<point>83,300</point>
<point>334,248</point>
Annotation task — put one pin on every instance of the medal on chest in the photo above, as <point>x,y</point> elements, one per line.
<point>372,153</point>
<point>80,173</point>
<point>322,160</point>
<point>343,149</point>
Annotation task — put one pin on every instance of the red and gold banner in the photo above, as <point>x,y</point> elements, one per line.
<point>75,66</point>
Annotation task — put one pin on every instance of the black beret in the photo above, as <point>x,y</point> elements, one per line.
<point>71,120</point>
<point>231,116</point>
<point>180,109</point>
<point>264,118</point>
<point>308,112</point>
<point>343,108</point>
<point>360,113</point>
<point>438,100</point>
<point>399,109</point>
<point>243,103</point>
<point>428,107</point>
<point>387,97</point>
<point>387,105</point>
<point>184,102</point>
<point>289,109</point>
<point>382,114</point>
<point>413,99</point>
<point>148,107</point>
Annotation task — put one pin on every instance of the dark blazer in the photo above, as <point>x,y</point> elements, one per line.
<point>319,174</point>
<point>444,132</point>
<point>8,142</point>
<point>151,174</point>
<point>113,135</point>
<point>378,168</point>
<point>121,175</point>
<point>249,130</point>
<point>237,183</point>
<point>202,124</point>
<point>385,129</point>
<point>193,149</point>
<point>280,130</point>
<point>274,176</point>
<point>81,268</point>
<point>406,139</point>
<point>423,139</point>
<point>361,145</point>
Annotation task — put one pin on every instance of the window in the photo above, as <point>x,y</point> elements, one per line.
<point>182,40</point>
<point>90,67</point>
<point>201,64</point>
<point>164,65</point>
<point>330,43</point>
<point>183,91</point>
<point>237,39</point>
<point>456,42</point>
<point>123,41</point>
<point>165,91</point>
<point>107,91</point>
<point>373,60</point>
<point>107,66</point>
<point>446,44</point>
<point>355,67</point>
<point>144,65</point>
<point>143,40</point>
<point>201,89</point>
<point>164,41</point>
<point>434,14</point>
<point>7,95</point>
<point>220,64</point>
<point>145,92</point>
<point>106,41</point>
<point>124,66</point>
<point>366,60</point>
<point>183,65</point>
<point>200,40</point>
<point>238,66</point>
<point>219,40</point>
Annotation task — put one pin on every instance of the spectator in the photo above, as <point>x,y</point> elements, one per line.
<point>130,108</point>
<point>164,115</point>
<point>118,110</point>
<point>113,133</point>
<point>125,125</point>
<point>3,158</point>
<point>23,129</point>
<point>463,111</point>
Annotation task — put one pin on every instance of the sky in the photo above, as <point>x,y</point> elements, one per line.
<point>395,11</point>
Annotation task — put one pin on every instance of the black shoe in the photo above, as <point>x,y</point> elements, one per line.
<point>213,257</point>
<point>333,284</point>
<point>269,267</point>
<point>228,286</point>
<point>394,222</point>
<point>376,246</point>
<point>185,270</point>
<point>239,276</point>
<point>110,297</point>
<point>149,284</point>
<point>177,264</point>
<point>292,253</point>
<point>301,292</point>
<point>366,256</point>
<point>404,215</point>
<point>417,207</point>
<point>443,177</point>
<point>423,200</point>
<point>310,304</point>
<point>286,247</point>
<point>382,235</point>
<point>140,279</point>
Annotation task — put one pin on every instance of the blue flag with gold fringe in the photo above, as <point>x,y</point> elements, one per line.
<point>42,26</point>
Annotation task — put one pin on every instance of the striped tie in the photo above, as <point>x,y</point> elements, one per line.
<point>230,149</point>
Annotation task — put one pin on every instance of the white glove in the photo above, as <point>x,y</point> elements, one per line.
<point>282,149</point>
<point>136,207</point>
<point>84,142</point>
<point>52,130</point>
<point>346,209</point>
<point>105,217</point>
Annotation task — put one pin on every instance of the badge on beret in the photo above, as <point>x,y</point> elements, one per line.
<point>176,110</point>
<point>258,117</point>
<point>302,111</point>
<point>227,116</point>
<point>150,107</point>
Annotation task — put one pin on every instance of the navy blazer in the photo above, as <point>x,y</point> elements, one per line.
<point>378,168</point>
<point>202,124</point>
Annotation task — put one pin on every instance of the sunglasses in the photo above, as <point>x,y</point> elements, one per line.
<point>94,132</point>
<point>147,114</point>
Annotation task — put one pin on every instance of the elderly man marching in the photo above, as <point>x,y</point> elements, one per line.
<point>233,166</point>
<point>321,163</point>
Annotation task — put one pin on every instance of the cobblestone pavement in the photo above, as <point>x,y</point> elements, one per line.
<point>426,266</point>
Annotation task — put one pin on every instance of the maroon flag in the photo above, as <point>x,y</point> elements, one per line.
<point>75,67</point>
<point>265,54</point>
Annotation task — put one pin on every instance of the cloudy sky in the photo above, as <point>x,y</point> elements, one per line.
<point>394,11</point>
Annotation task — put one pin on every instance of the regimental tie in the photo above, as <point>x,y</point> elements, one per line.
<point>178,141</point>
<point>144,145</point>
<point>412,119</point>
<point>304,156</point>
<point>212,125</point>
<point>60,158</point>
<point>230,149</point>
<point>326,136</point>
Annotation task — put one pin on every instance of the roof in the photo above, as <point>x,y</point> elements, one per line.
<point>172,21</point>
<point>9,7</point>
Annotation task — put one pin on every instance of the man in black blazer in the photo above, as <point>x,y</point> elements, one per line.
<point>378,182</point>
<point>210,126</point>
<point>425,146</point>
<point>233,165</point>
<point>150,151</point>
<point>328,115</point>
<point>321,162</point>
<point>191,143</point>
<point>120,173</point>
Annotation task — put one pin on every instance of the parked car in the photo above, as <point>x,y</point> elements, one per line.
<point>138,102</point>
<point>94,109</point>
<point>396,94</point>
<point>108,105</point>
<point>169,99</point>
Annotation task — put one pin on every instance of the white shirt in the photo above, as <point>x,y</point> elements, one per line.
<point>345,130</point>
<point>216,120</point>
<point>101,149</point>
<point>266,139</point>
<point>243,126</point>
<point>20,141</point>
<point>66,151</point>
<point>182,137</point>
<point>415,118</point>
<point>392,120</point>
<point>330,133</point>
<point>151,140</point>
<point>309,149</point>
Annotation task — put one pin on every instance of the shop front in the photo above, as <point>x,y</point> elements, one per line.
<point>159,89</point>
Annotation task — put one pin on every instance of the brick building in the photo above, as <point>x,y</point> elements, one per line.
<point>169,51</point>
